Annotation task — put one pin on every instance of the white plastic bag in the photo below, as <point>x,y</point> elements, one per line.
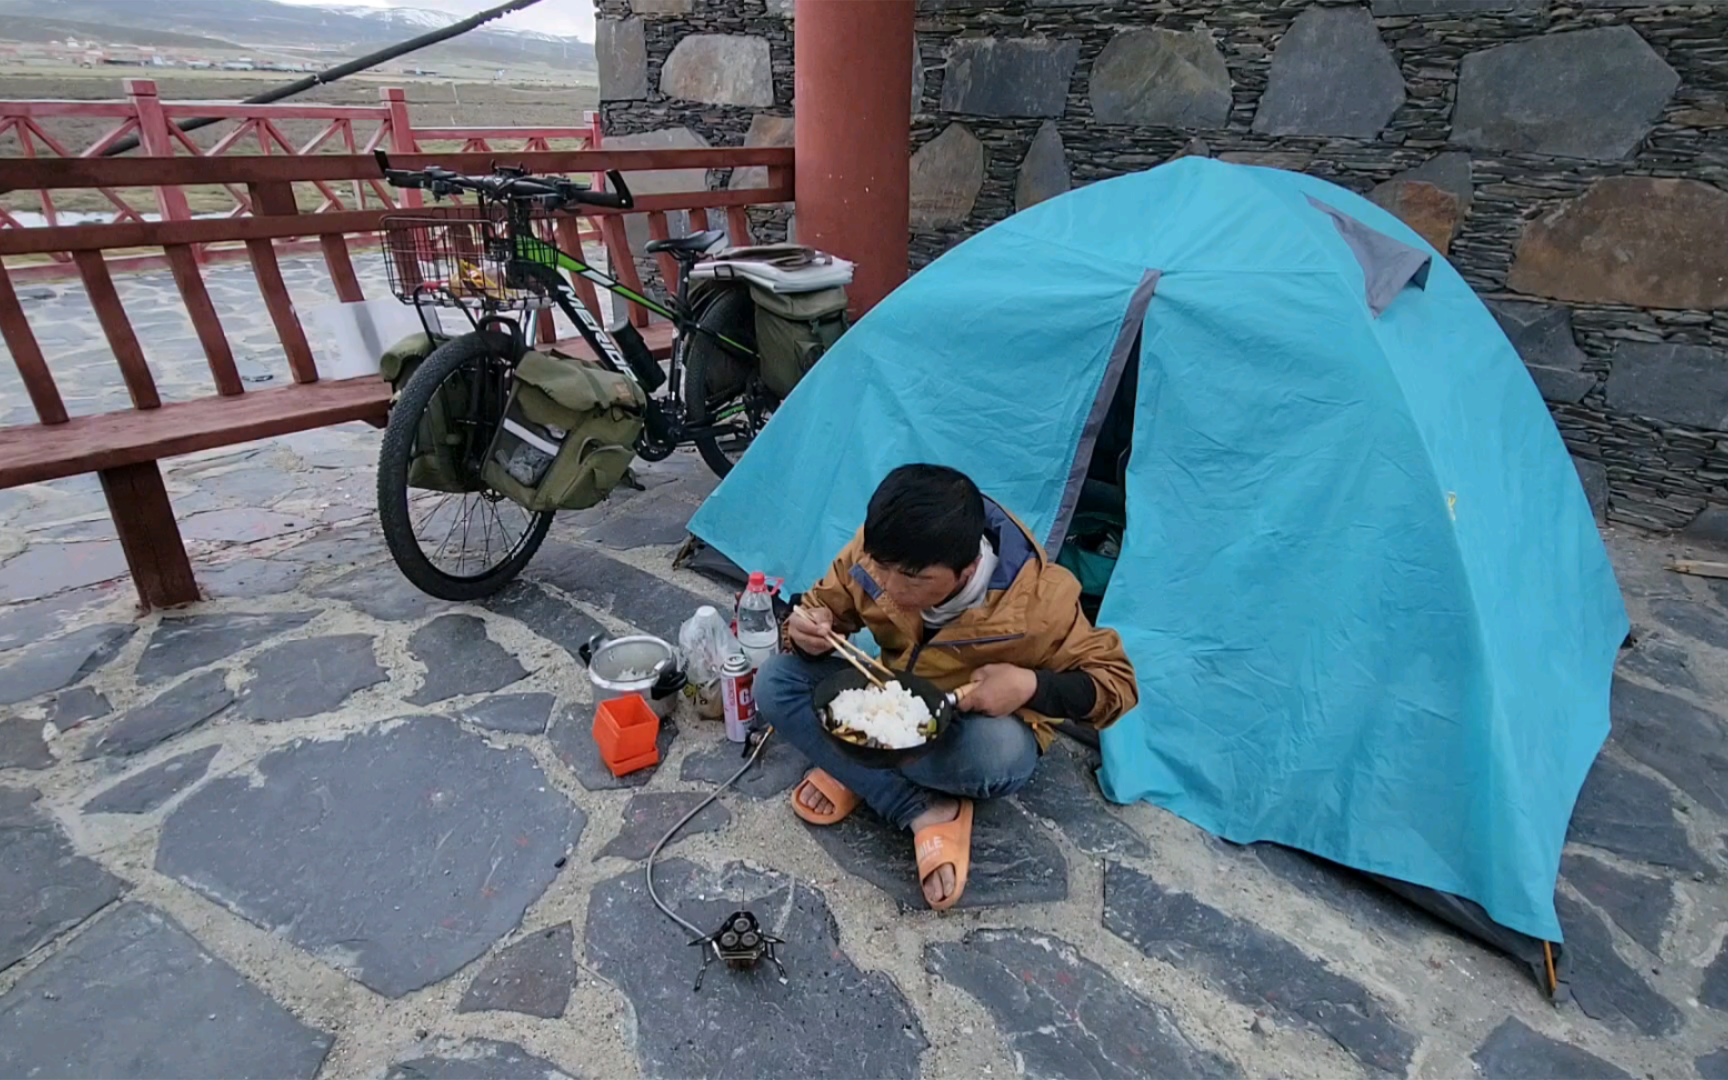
<point>706,641</point>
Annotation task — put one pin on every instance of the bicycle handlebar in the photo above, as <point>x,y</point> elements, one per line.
<point>510,183</point>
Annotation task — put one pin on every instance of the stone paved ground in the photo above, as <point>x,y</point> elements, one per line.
<point>322,825</point>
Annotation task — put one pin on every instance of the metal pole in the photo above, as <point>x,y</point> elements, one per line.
<point>330,75</point>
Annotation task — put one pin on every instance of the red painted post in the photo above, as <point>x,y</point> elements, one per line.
<point>402,132</point>
<point>154,136</point>
<point>852,65</point>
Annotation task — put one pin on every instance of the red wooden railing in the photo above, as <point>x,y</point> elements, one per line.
<point>123,447</point>
<point>250,130</point>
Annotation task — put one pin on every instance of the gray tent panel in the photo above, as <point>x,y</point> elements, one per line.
<point>1388,265</point>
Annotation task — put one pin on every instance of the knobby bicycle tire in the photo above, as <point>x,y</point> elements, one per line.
<point>393,461</point>
<point>714,376</point>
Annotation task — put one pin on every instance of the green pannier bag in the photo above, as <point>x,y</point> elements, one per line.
<point>568,436</point>
<point>434,466</point>
<point>793,330</point>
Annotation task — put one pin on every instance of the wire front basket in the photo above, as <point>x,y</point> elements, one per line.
<point>455,256</point>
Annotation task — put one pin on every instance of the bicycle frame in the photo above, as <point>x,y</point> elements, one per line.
<point>546,260</point>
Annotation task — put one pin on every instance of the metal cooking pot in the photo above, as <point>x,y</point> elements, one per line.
<point>638,664</point>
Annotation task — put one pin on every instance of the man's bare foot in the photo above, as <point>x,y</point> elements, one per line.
<point>939,885</point>
<point>812,799</point>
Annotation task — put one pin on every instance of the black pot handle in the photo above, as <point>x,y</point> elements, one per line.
<point>587,649</point>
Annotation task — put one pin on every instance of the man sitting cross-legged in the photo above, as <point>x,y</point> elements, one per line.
<point>955,590</point>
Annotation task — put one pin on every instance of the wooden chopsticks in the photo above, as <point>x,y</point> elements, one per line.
<point>861,660</point>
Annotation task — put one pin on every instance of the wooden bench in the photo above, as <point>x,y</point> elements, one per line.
<point>123,448</point>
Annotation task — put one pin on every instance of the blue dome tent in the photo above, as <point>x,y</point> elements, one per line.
<point>1370,613</point>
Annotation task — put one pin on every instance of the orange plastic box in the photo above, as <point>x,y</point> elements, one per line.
<point>627,731</point>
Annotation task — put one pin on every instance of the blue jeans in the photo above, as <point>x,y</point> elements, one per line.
<point>981,757</point>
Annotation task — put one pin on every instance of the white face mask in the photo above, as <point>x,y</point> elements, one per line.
<point>971,594</point>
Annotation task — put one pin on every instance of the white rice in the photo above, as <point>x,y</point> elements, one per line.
<point>893,717</point>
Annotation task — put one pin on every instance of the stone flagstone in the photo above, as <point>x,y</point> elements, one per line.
<point>149,789</point>
<point>621,55</point>
<point>1605,986</point>
<point>45,888</point>
<point>1062,1015</point>
<point>1713,991</point>
<point>1000,76</point>
<point>1013,860</point>
<point>828,1018</point>
<point>1713,1066</point>
<point>1255,967</point>
<point>517,714</point>
<point>532,976</point>
<point>1668,239</point>
<point>297,679</point>
<point>1662,661</point>
<point>553,618</point>
<point>460,659</point>
<point>1331,74</point>
<point>631,595</point>
<point>719,69</point>
<point>1684,743</point>
<point>1044,171</point>
<point>1639,905</point>
<point>1586,94</point>
<point>1628,813</point>
<point>779,767</point>
<point>1163,78</point>
<point>60,662</point>
<point>474,1059</point>
<point>1064,793</point>
<point>648,817</point>
<point>1681,384</point>
<point>175,711</point>
<point>136,996</point>
<point>947,174</point>
<point>445,841</point>
<point>572,739</point>
<point>76,707</point>
<point>1356,896</point>
<point>186,643</point>
<point>22,745</point>
<point>381,592</point>
<point>1514,1052</point>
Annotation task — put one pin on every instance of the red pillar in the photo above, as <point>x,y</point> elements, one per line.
<point>852,87</point>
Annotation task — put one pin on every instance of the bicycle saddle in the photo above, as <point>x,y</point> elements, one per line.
<point>694,244</point>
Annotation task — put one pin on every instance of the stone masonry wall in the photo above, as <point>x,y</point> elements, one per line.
<point>688,73</point>
<point>1570,158</point>
<point>1520,136</point>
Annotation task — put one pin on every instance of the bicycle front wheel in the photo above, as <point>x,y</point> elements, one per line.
<point>450,536</point>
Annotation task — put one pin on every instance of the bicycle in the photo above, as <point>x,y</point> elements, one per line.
<point>486,261</point>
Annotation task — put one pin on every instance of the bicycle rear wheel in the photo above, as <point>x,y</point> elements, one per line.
<point>465,543</point>
<point>722,389</point>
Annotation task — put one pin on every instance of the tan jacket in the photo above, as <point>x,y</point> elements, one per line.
<point>1031,617</point>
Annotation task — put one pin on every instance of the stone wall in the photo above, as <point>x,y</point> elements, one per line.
<point>1570,158</point>
<point>687,73</point>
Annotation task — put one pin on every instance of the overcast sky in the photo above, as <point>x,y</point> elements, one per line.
<point>548,16</point>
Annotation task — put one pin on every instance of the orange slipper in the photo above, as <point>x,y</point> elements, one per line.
<point>948,843</point>
<point>837,793</point>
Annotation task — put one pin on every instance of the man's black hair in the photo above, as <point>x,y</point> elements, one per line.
<point>923,516</point>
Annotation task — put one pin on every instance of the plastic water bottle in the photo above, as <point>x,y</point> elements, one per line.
<point>758,631</point>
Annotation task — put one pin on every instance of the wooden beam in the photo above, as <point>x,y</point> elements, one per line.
<point>184,266</point>
<point>134,234</point>
<point>32,453</point>
<point>24,175</point>
<point>27,355</point>
<point>138,503</point>
<point>111,313</point>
